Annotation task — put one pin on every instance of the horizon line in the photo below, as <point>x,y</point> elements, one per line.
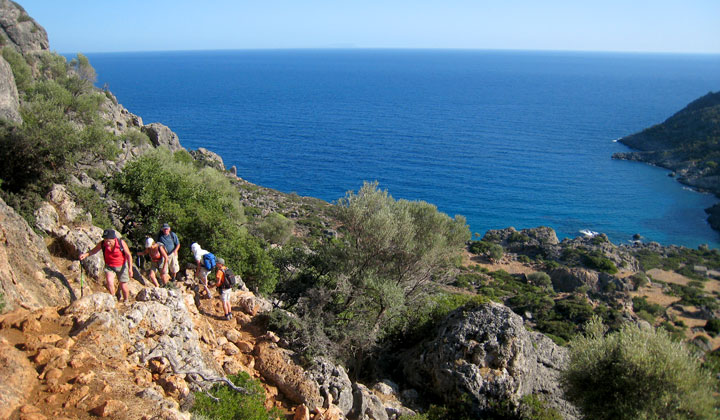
<point>348,48</point>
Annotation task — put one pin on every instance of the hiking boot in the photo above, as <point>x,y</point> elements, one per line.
<point>228,317</point>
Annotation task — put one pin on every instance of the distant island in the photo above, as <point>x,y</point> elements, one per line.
<point>687,143</point>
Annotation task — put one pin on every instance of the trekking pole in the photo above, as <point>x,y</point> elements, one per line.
<point>82,280</point>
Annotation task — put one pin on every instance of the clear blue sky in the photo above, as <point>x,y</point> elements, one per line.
<point>688,26</point>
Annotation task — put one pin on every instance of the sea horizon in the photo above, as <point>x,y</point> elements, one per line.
<point>518,136</point>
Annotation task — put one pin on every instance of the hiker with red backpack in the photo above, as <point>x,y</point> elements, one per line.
<point>205,262</point>
<point>225,282</point>
<point>118,262</point>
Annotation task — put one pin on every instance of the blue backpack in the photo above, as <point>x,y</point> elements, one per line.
<point>209,261</point>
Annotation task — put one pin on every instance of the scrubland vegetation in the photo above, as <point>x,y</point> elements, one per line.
<point>376,287</point>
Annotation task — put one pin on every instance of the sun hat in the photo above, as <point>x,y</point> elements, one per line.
<point>220,260</point>
<point>109,234</point>
<point>149,242</point>
<point>165,226</point>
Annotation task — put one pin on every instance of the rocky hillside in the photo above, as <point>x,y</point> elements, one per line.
<point>686,143</point>
<point>69,350</point>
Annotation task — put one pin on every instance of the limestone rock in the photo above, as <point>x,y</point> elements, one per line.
<point>367,405</point>
<point>109,408</point>
<point>208,157</point>
<point>276,365</point>
<point>9,98</point>
<point>161,135</point>
<point>487,353</point>
<point>27,272</point>
<point>334,383</point>
<point>90,304</point>
<point>568,279</point>
<point>18,379</point>
<point>22,32</point>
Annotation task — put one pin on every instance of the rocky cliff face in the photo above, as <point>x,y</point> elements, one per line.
<point>488,354</point>
<point>28,275</point>
<point>21,31</point>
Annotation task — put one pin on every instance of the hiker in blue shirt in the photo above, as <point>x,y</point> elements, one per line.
<point>172,245</point>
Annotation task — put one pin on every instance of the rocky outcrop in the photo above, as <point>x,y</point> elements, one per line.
<point>487,353</point>
<point>9,99</point>
<point>685,143</point>
<point>534,241</point>
<point>276,365</point>
<point>209,158</point>
<point>161,135</point>
<point>334,383</point>
<point>28,276</point>
<point>20,30</point>
<point>121,120</point>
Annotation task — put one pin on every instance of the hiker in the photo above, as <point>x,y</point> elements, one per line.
<point>118,262</point>
<point>205,261</point>
<point>158,261</point>
<point>225,282</point>
<point>172,245</point>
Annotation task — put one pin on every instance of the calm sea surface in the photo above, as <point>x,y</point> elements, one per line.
<point>519,139</point>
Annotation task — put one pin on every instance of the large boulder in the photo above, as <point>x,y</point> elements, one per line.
<point>488,354</point>
<point>28,275</point>
<point>161,135</point>
<point>209,158</point>
<point>20,30</point>
<point>334,383</point>
<point>9,99</point>
<point>277,365</point>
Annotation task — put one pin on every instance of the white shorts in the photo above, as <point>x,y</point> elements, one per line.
<point>225,295</point>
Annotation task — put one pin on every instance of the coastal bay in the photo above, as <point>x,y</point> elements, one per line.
<point>504,138</point>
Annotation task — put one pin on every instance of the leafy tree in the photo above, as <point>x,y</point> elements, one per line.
<point>389,257</point>
<point>636,373</point>
<point>201,205</point>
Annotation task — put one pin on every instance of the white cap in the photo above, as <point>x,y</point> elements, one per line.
<point>149,242</point>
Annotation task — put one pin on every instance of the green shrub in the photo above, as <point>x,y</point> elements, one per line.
<point>636,374</point>
<point>2,303</point>
<point>639,280</point>
<point>599,262</point>
<point>641,304</point>
<point>20,68</point>
<point>91,201</point>
<point>201,205</point>
<point>540,279</point>
<point>234,405</point>
<point>276,228</point>
<point>524,259</point>
<point>712,326</point>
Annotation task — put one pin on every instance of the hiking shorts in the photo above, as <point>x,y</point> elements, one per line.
<point>225,295</point>
<point>158,265</point>
<point>120,272</point>
<point>173,264</point>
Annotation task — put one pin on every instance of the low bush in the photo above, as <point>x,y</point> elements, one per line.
<point>712,326</point>
<point>636,374</point>
<point>233,405</point>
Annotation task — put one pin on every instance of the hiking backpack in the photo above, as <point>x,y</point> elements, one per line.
<point>229,280</point>
<point>209,261</point>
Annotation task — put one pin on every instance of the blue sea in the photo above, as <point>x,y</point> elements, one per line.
<point>504,138</point>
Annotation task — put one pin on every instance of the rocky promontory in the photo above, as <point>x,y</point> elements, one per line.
<point>687,144</point>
